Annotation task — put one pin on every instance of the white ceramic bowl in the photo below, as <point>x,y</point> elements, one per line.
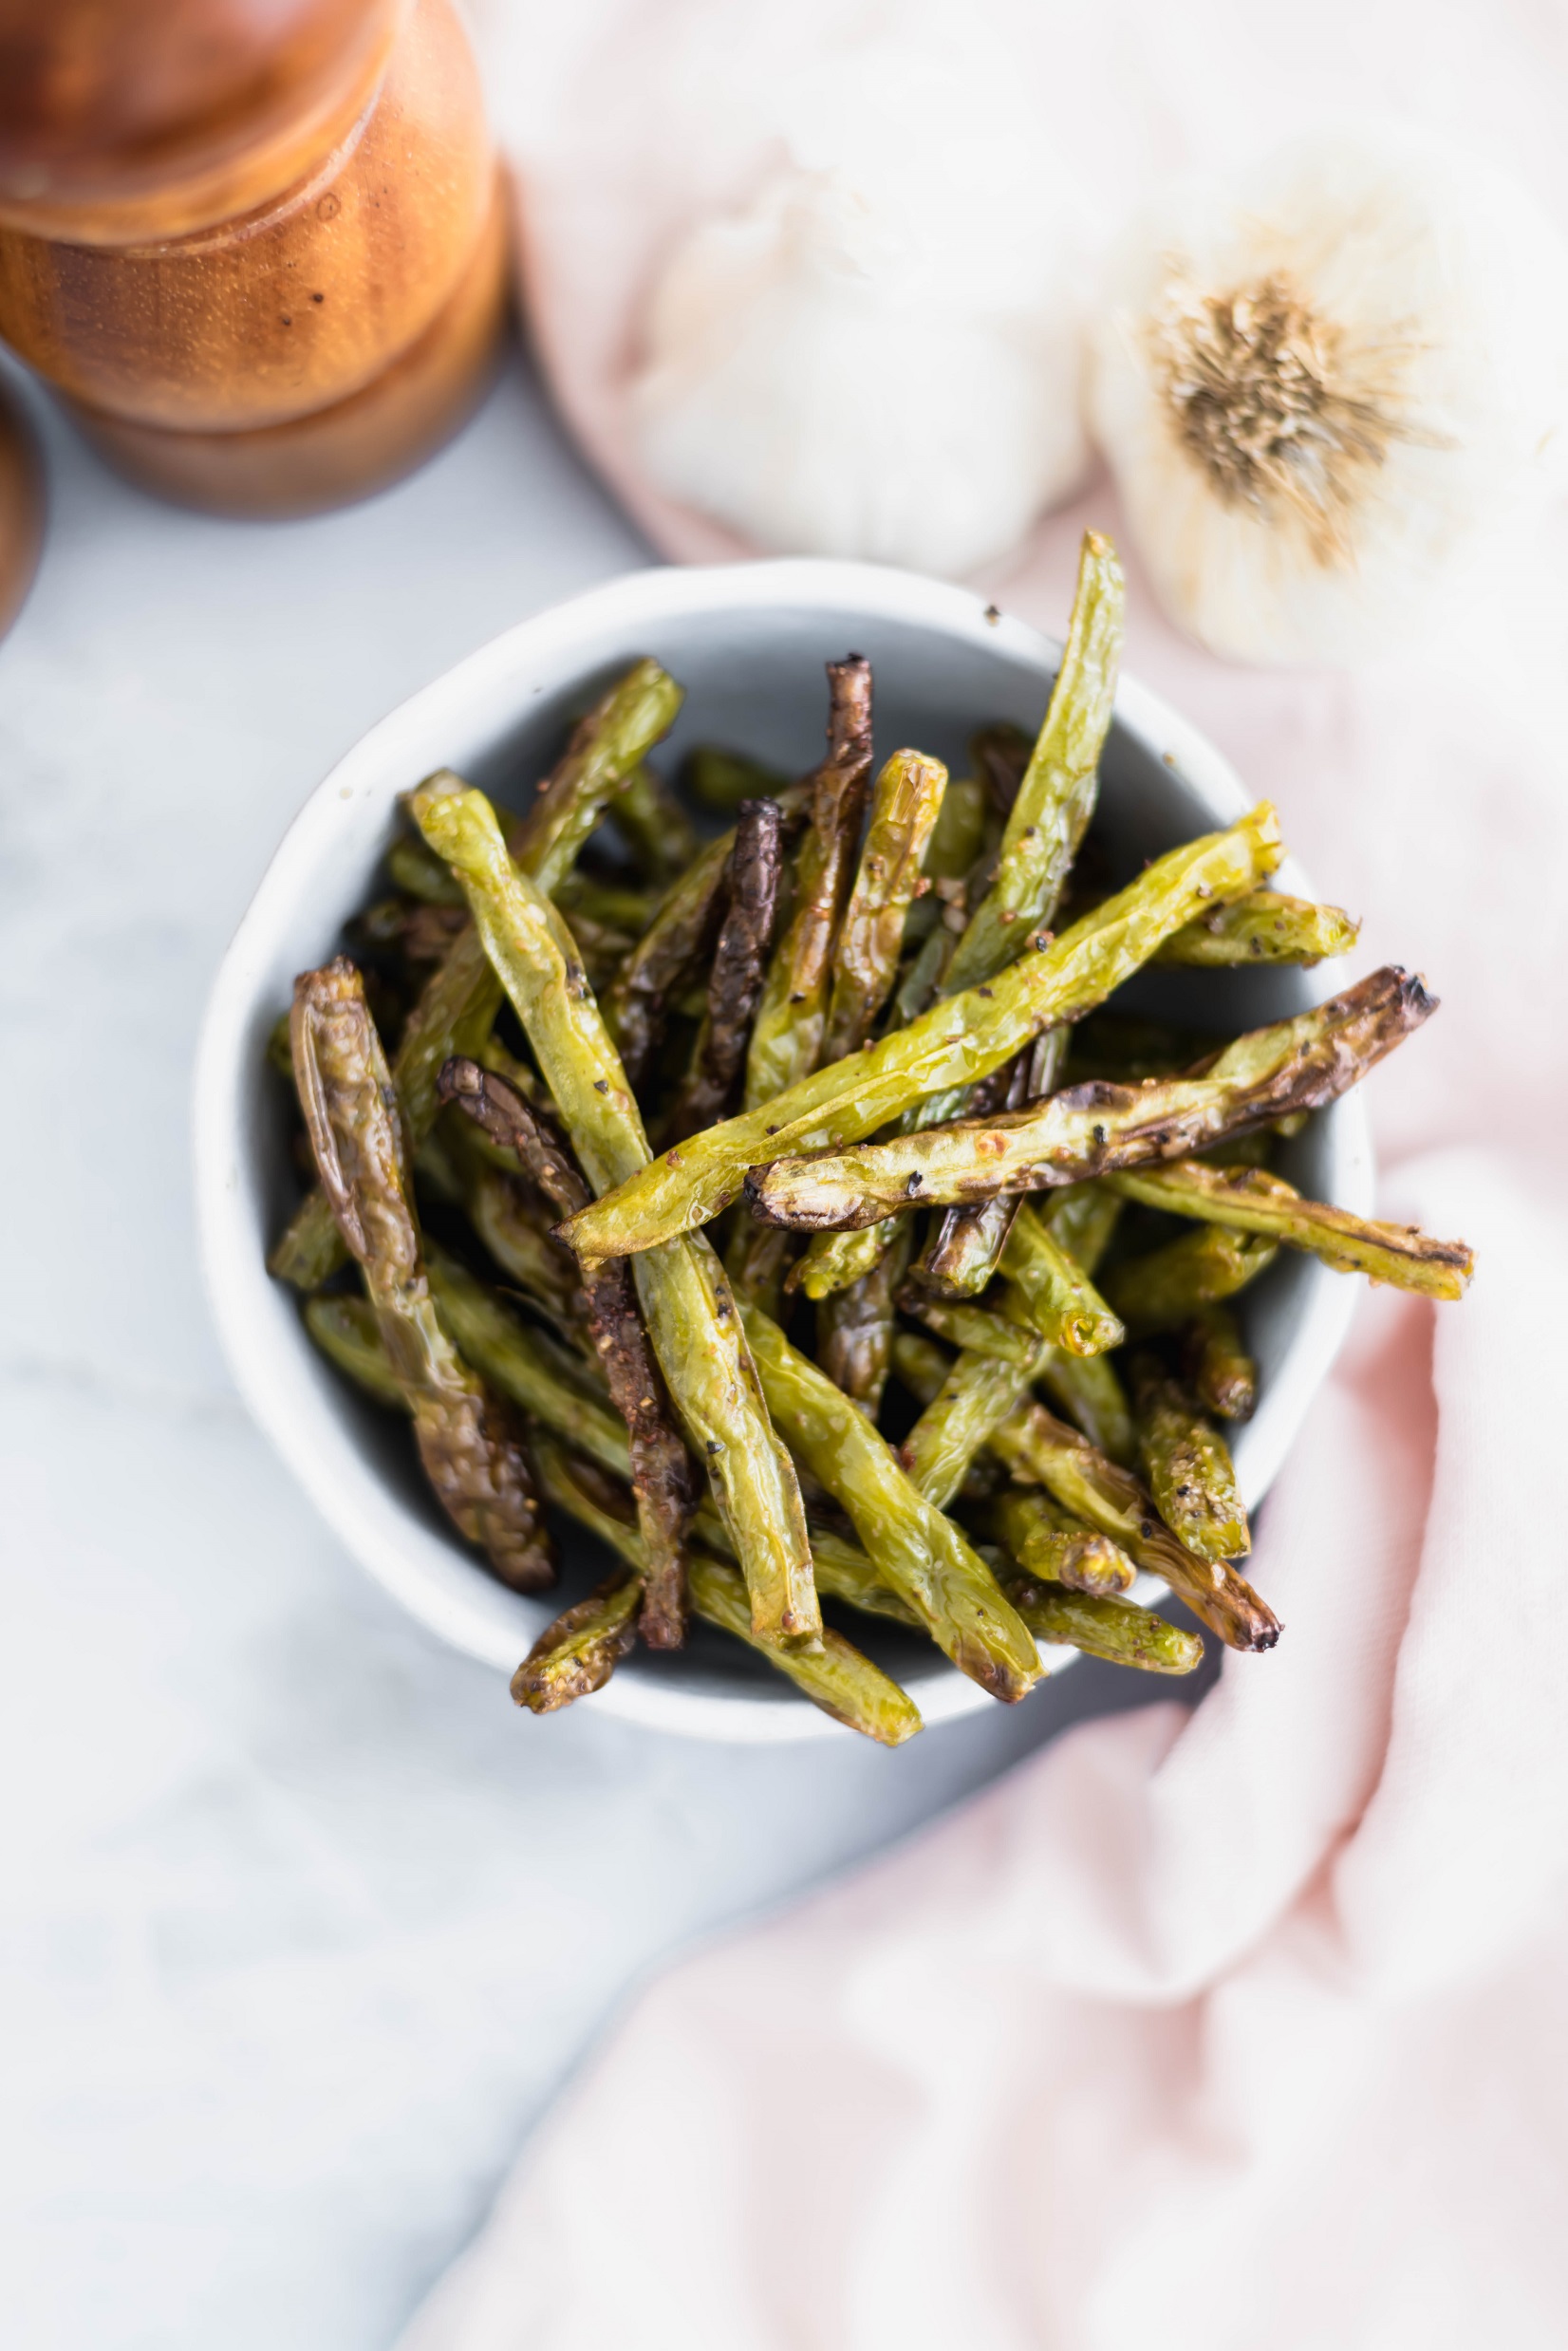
<point>748,643</point>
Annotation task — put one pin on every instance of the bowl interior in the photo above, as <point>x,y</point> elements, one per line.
<point>749,645</point>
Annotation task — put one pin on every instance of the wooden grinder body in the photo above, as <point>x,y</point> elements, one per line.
<point>312,345</point>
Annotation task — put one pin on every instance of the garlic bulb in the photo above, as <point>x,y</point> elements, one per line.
<point>878,357</point>
<point>1324,385</point>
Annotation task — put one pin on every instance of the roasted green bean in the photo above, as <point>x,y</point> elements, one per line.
<point>1041,1451</point>
<point>454,1015</point>
<point>637,1004</point>
<point>1216,1361</point>
<point>469,1451</point>
<point>837,1677</point>
<point>854,1328</point>
<point>905,804</point>
<point>1188,1468</point>
<point>722,779</point>
<point>977,1394</point>
<point>348,1336</point>
<point>959,830</point>
<point>786,1042</point>
<point>739,965</point>
<point>952,1043</point>
<point>578,1652</point>
<point>915,1549</point>
<point>1266,928</point>
<point>663,1485</point>
<point>605,749</point>
<point>1085,1387</point>
<point>1061,1301</point>
<point>966,1248</point>
<point>1052,1546</point>
<point>655,827</point>
<point>1055,798</point>
<point>834,1676</point>
<point>514,1360</point>
<point>685,1300</point>
<point>1252,1202</point>
<point>1119,1630</point>
<point>1162,1288</point>
<point>1095,1129</point>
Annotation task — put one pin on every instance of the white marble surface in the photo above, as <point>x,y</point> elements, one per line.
<point>301,1921</point>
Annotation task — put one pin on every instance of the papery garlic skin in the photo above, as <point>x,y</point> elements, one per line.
<point>1325,384</point>
<point>858,365</point>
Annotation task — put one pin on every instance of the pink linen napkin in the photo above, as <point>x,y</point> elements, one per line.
<point>1245,2028</point>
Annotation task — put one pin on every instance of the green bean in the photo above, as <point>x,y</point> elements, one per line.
<point>751,877</point>
<point>685,1300</point>
<point>916,1550</point>
<point>1119,1630</point>
<point>843,1568</point>
<point>280,1054</point>
<point>1187,1467</point>
<point>1085,1387</point>
<point>421,875</point>
<point>1061,1301</point>
<point>977,1394</point>
<point>952,1043</point>
<point>606,747</point>
<point>656,828</point>
<point>578,1652</point>
<point>787,1035</point>
<point>662,1482</point>
<point>454,1015</point>
<point>1162,1288</point>
<point>1041,1451</point>
<point>1082,1218</point>
<point>511,1358</point>
<point>637,1004</point>
<point>1266,928</point>
<point>965,1246</point>
<point>1217,1362</point>
<point>959,832</point>
<point>980,1329</point>
<point>347,1331</point>
<point>835,1261</point>
<point>722,779</point>
<point>523,1246</point>
<point>905,804</point>
<point>609,903</point>
<point>1095,1129</point>
<point>844,1573</point>
<point>1052,1546</point>
<point>472,1458</point>
<point>1055,798</point>
<point>835,1677</point>
<point>1053,802</point>
<point>758,1264</point>
<point>459,1002</point>
<point>854,1329</point>
<point>1251,1201</point>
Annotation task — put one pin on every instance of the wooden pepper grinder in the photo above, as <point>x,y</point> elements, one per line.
<point>259,246</point>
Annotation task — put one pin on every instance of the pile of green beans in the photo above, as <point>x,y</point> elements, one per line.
<point>796,1212</point>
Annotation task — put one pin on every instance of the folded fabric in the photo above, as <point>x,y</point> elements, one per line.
<point>1235,2027</point>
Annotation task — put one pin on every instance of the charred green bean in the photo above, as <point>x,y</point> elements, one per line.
<point>685,1300</point>
<point>955,1042</point>
<point>470,1450</point>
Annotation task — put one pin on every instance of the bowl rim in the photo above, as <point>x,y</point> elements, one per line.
<point>370,1521</point>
